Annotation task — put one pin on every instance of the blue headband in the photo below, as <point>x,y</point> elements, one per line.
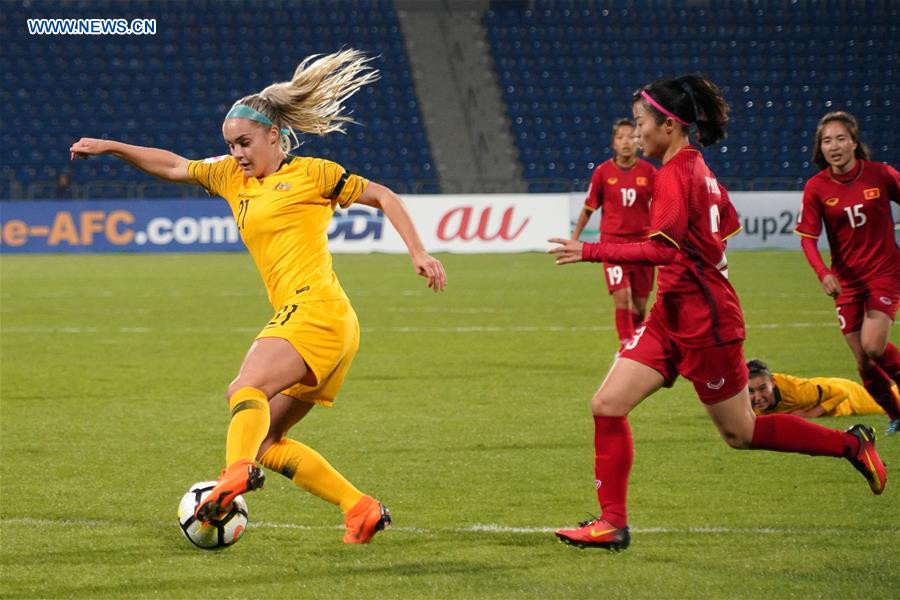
<point>242,111</point>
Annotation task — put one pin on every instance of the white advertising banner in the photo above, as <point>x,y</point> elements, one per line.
<point>476,223</point>
<point>768,219</point>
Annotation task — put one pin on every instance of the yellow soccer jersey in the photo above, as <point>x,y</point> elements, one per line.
<point>838,397</point>
<point>283,219</point>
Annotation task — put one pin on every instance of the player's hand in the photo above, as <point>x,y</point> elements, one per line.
<point>831,285</point>
<point>86,147</point>
<point>568,251</point>
<point>431,269</point>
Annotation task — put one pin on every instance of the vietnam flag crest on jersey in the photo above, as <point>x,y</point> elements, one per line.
<point>871,193</point>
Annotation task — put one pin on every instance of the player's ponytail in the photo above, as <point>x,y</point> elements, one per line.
<point>690,100</point>
<point>313,100</point>
<point>849,121</point>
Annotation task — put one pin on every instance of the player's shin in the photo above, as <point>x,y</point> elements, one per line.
<point>249,424</point>
<point>889,362</point>
<point>613,457</point>
<point>790,433</point>
<point>878,385</point>
<point>311,472</point>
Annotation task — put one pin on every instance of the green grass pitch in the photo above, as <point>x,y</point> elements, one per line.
<point>466,412</point>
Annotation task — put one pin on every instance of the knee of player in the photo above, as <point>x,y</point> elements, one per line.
<point>236,385</point>
<point>872,351</point>
<point>271,440</point>
<point>603,405</point>
<point>232,388</point>
<point>736,439</point>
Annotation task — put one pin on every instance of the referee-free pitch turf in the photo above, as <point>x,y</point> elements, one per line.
<point>466,412</point>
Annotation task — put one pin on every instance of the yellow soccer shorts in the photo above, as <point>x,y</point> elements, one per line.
<point>326,334</point>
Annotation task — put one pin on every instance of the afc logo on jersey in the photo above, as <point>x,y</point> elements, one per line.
<point>641,181</point>
<point>871,193</point>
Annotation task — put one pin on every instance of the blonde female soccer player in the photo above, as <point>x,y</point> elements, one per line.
<point>283,205</point>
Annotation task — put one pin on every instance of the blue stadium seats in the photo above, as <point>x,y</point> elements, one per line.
<point>568,68</point>
<point>172,89</point>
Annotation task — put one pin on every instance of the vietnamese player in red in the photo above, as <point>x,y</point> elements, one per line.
<point>852,196</point>
<point>622,186</point>
<point>696,327</point>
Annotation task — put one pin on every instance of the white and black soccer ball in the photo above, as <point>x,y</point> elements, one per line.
<point>216,534</point>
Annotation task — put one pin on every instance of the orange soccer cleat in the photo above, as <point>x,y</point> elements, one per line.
<point>242,476</point>
<point>596,533</point>
<point>364,520</point>
<point>866,459</point>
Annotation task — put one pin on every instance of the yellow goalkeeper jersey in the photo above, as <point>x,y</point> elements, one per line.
<point>283,220</point>
<point>838,397</point>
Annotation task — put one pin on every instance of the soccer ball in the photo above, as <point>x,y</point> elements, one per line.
<point>216,534</point>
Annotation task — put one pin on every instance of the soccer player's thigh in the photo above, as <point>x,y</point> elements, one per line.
<point>323,332</point>
<point>719,376</point>
<point>643,366</point>
<point>851,312</point>
<point>270,364</point>
<point>641,279</point>
<point>881,303</point>
<point>616,278</point>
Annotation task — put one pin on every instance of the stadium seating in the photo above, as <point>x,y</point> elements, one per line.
<point>172,89</point>
<point>568,69</point>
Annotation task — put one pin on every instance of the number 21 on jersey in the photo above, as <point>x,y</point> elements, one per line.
<point>241,218</point>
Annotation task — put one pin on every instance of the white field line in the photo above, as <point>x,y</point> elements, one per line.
<point>476,528</point>
<point>397,329</point>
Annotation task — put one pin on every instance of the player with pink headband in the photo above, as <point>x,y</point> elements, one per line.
<point>696,327</point>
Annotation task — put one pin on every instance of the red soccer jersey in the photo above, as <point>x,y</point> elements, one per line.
<point>695,305</point>
<point>624,195</point>
<point>858,221</point>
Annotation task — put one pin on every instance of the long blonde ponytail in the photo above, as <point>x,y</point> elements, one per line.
<point>313,100</point>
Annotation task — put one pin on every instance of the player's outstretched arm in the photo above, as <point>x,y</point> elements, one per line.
<point>391,205</point>
<point>812,413</point>
<point>567,252</point>
<point>653,251</point>
<point>154,161</point>
<point>583,218</point>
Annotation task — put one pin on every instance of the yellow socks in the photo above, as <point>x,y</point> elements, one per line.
<point>310,471</point>
<point>249,424</point>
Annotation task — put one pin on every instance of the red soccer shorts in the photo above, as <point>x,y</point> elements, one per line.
<point>882,294</point>
<point>636,277</point>
<point>717,372</point>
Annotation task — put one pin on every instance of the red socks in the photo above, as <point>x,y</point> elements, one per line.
<point>878,385</point>
<point>890,363</point>
<point>624,324</point>
<point>790,433</point>
<point>613,455</point>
